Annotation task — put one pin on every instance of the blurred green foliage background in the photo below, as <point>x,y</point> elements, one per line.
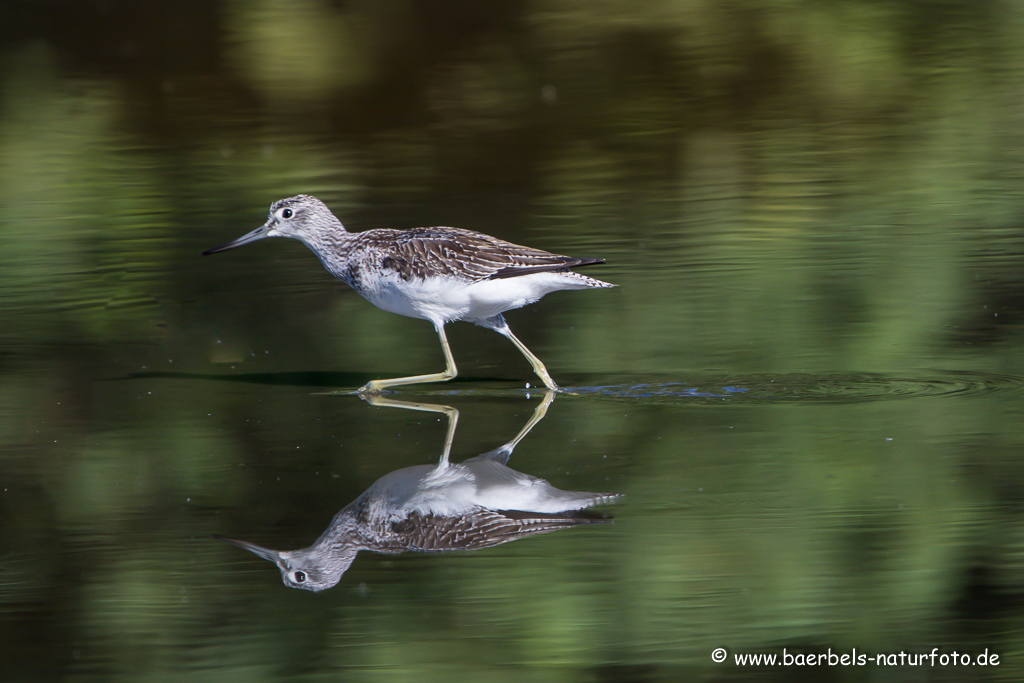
<point>817,202</point>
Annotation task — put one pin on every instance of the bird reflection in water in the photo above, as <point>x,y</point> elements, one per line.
<point>475,504</point>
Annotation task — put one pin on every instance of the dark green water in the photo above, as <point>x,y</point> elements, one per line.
<point>809,383</point>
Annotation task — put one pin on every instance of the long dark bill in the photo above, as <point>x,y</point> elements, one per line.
<point>257,234</point>
<point>265,553</point>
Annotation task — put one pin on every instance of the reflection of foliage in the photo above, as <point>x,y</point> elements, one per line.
<point>86,231</point>
<point>298,53</point>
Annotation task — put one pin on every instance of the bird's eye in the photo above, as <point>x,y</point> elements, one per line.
<point>287,213</point>
<point>299,577</point>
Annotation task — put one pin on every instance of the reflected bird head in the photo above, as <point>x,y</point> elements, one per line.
<point>308,569</point>
<point>301,217</point>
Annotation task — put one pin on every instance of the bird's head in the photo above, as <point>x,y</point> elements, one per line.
<point>310,569</point>
<point>302,217</point>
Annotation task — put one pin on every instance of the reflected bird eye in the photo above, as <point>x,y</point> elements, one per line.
<point>300,577</point>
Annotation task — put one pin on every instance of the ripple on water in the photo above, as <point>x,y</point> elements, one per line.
<point>842,388</point>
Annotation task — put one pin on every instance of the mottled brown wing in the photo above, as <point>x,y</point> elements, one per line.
<point>468,255</point>
<point>480,529</point>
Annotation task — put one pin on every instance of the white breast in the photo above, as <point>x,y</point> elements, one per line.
<point>442,299</point>
<point>458,489</point>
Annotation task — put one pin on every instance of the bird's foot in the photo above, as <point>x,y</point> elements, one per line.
<point>370,389</point>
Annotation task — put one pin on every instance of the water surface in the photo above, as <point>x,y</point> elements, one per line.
<point>808,384</point>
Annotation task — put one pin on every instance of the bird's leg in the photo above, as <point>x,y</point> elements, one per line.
<point>504,452</point>
<point>501,327</point>
<point>378,385</point>
<point>452,413</point>
<point>538,415</point>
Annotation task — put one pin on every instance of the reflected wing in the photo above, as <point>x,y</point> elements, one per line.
<point>481,528</point>
<point>469,255</point>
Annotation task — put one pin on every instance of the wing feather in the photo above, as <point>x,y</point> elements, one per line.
<point>480,528</point>
<point>468,255</point>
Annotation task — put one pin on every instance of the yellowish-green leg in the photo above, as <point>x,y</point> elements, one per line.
<point>452,413</point>
<point>538,367</point>
<point>504,452</point>
<point>378,385</point>
<point>538,415</point>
